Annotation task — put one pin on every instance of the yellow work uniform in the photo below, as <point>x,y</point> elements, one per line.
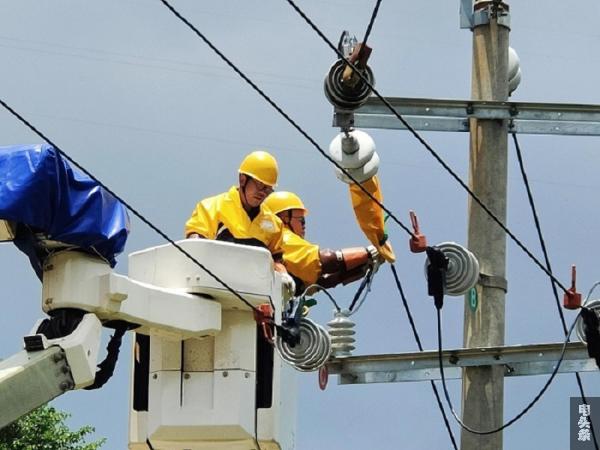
<point>223,217</point>
<point>300,257</point>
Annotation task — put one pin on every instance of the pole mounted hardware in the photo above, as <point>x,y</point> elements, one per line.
<point>437,265</point>
<point>572,298</point>
<point>301,342</point>
<point>343,87</point>
<point>418,241</point>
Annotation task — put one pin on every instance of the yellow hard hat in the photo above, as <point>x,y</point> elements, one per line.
<point>284,201</point>
<point>261,166</point>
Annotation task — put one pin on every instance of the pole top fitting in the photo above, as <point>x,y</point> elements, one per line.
<point>494,4</point>
<point>485,10</point>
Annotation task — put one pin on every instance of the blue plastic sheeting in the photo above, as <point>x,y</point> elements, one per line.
<point>38,188</point>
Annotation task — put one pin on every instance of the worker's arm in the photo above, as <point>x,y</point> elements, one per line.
<point>346,259</point>
<point>203,221</point>
<point>300,257</point>
<point>330,280</point>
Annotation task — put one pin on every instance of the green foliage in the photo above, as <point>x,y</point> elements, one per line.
<point>44,429</point>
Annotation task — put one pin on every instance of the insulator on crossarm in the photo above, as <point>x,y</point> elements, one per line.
<point>341,330</point>
<point>347,96</point>
<point>514,70</point>
<point>463,268</point>
<point>592,305</point>
<point>354,151</point>
<point>311,352</point>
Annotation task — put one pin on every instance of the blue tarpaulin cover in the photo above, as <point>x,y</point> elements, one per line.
<point>38,188</point>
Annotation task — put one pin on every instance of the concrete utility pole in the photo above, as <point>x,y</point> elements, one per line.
<point>483,387</point>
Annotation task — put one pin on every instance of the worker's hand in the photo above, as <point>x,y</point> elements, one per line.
<point>373,252</point>
<point>279,267</point>
<point>288,286</point>
<point>375,258</point>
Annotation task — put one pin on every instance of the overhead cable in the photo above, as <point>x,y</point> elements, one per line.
<point>547,260</point>
<point>418,341</point>
<point>282,113</point>
<point>127,205</point>
<point>324,291</point>
<point>371,22</point>
<point>526,409</point>
<point>428,147</point>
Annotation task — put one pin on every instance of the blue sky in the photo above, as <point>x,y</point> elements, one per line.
<point>133,95</point>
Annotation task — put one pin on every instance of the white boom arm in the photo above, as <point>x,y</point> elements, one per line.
<point>48,368</point>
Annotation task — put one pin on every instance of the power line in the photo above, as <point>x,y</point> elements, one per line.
<point>202,69</point>
<point>538,227</point>
<point>418,341</point>
<point>293,123</point>
<point>371,22</point>
<point>547,259</point>
<point>127,205</point>
<point>283,114</point>
<point>428,147</point>
<point>134,56</point>
<point>526,409</point>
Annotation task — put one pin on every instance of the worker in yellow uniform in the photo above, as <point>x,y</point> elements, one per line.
<point>308,262</point>
<point>238,215</point>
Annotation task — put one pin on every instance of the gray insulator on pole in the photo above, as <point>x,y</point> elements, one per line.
<point>343,96</point>
<point>341,330</point>
<point>463,268</point>
<point>593,305</point>
<point>313,350</point>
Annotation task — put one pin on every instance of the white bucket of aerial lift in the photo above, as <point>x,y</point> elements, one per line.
<point>201,392</point>
<point>246,269</point>
<point>81,348</point>
<point>7,231</point>
<point>209,403</point>
<point>77,280</point>
<point>354,151</point>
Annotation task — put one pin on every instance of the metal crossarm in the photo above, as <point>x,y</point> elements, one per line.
<point>453,115</point>
<point>536,359</point>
